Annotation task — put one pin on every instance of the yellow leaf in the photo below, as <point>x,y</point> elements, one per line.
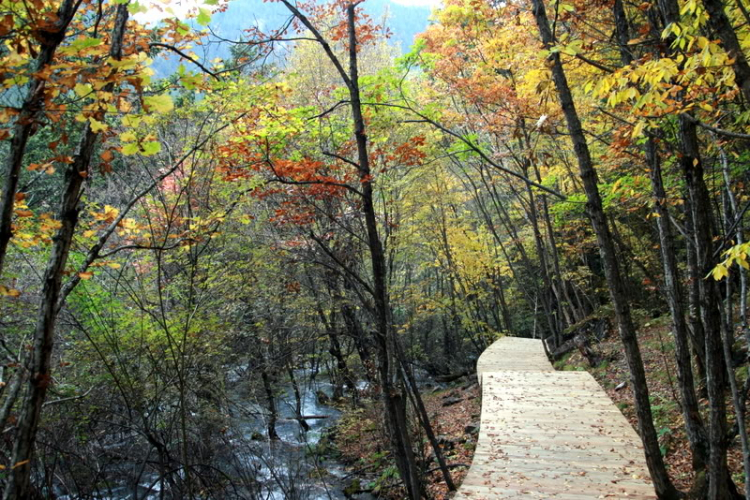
<point>82,89</point>
<point>110,211</point>
<point>159,103</point>
<point>127,136</point>
<point>97,126</point>
<point>9,292</point>
<point>124,105</point>
<point>114,265</point>
<point>638,129</point>
<point>719,272</point>
<point>88,234</point>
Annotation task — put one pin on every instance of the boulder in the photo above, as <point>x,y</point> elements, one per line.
<point>451,401</point>
<point>472,428</point>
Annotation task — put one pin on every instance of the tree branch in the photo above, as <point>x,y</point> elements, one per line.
<point>185,56</point>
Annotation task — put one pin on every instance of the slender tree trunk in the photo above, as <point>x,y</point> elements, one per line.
<point>26,121</point>
<point>395,404</point>
<point>672,285</point>
<point>361,343</point>
<point>12,396</point>
<point>40,369</point>
<point>271,400</point>
<point>424,418</point>
<point>297,400</point>
<point>719,487</point>
<point>341,366</point>
<point>334,346</point>
<point>500,293</point>
<point>541,295</point>
<point>723,28</point>
<point>662,484</point>
<point>542,256</point>
<point>731,214</point>
<point>727,337</point>
<point>697,335</point>
<point>690,407</point>
<point>622,27</point>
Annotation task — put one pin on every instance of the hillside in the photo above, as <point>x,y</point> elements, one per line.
<point>403,22</point>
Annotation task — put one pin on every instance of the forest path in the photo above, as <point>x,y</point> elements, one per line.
<point>547,434</point>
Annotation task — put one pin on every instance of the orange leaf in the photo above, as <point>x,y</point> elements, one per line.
<point>86,275</point>
<point>107,155</point>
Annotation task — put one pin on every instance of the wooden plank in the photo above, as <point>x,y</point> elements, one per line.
<point>549,434</point>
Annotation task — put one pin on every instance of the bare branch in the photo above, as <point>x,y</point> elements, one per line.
<point>94,251</point>
<point>184,56</point>
<point>322,41</point>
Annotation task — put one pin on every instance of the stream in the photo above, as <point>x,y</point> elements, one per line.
<point>285,469</point>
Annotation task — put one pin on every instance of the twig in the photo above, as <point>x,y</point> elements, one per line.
<point>71,398</point>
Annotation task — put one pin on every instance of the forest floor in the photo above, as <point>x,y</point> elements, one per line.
<point>359,439</point>
<point>657,349</point>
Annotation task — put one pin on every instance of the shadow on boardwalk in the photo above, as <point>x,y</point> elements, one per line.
<point>549,435</point>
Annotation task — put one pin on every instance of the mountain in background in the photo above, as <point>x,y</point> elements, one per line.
<point>404,23</point>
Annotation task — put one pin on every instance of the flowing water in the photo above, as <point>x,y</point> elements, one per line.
<point>287,469</point>
<point>284,469</point>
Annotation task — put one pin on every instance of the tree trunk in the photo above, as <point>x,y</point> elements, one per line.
<point>727,337</point>
<point>271,400</point>
<point>672,285</point>
<point>697,335</point>
<point>393,399</point>
<point>40,369</point>
<point>26,121</point>
<point>700,208</point>
<point>297,400</point>
<point>723,28</point>
<point>662,484</point>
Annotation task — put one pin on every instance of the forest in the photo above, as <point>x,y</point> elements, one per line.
<point>268,273</point>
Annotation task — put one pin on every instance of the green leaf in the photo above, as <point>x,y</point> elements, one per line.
<point>150,148</point>
<point>204,17</point>
<point>136,8</point>
<point>81,44</point>
<point>130,148</point>
<point>182,28</point>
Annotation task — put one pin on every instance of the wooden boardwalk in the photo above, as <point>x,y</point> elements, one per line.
<point>549,434</point>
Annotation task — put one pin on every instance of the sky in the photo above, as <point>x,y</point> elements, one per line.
<point>160,9</point>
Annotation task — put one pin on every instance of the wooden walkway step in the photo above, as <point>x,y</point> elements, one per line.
<point>547,434</point>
